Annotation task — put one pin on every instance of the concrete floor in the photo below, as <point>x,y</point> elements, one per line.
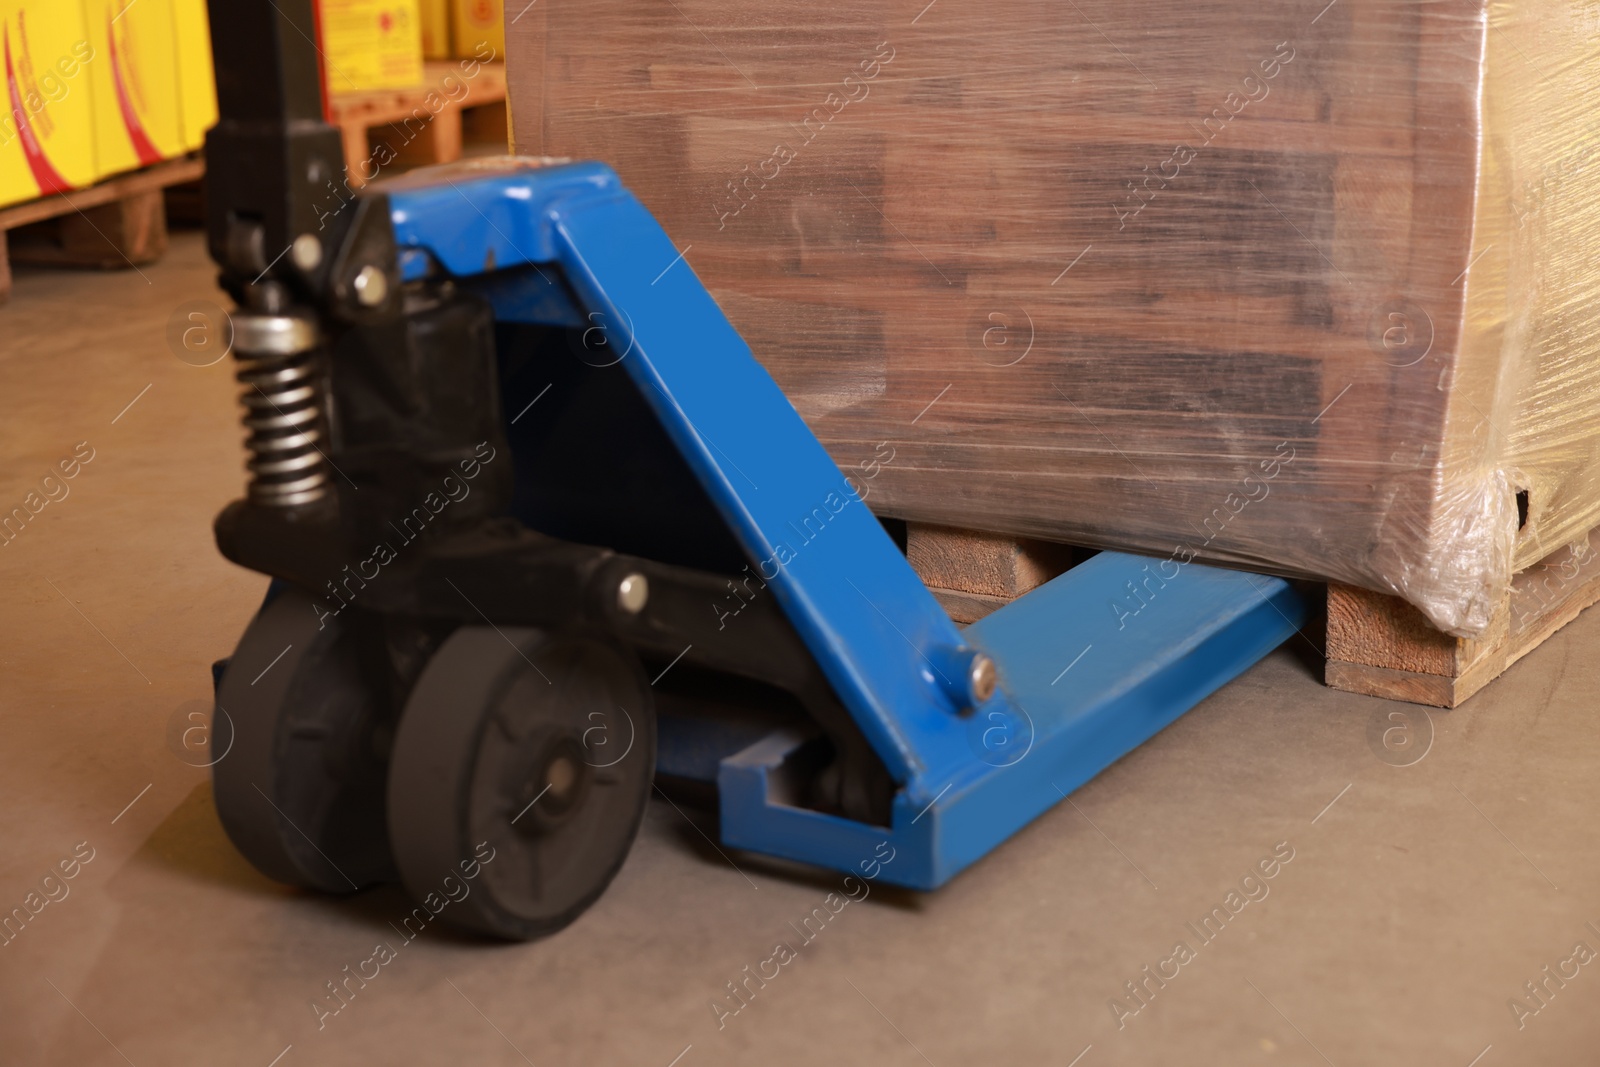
<point>1418,901</point>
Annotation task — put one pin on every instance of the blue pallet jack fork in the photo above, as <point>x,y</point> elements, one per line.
<point>977,730</point>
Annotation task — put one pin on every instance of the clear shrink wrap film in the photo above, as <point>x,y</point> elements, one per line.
<point>1303,286</point>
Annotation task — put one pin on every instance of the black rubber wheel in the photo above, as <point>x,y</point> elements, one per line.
<point>520,771</point>
<point>301,792</point>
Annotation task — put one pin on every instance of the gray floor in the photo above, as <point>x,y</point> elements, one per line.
<point>1418,901</point>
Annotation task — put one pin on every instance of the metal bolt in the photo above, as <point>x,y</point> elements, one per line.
<point>371,286</point>
<point>633,592</point>
<point>306,252</point>
<point>982,678</point>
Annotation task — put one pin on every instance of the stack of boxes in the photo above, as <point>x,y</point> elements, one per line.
<point>1308,288</point>
<point>457,29</point>
<point>99,87</point>
<point>379,45</point>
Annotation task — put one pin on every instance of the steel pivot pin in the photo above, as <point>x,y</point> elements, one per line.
<point>371,286</point>
<point>306,252</point>
<point>982,678</point>
<point>633,592</point>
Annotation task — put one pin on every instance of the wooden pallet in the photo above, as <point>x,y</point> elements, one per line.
<point>424,124</point>
<point>1381,646</point>
<point>121,222</point>
<point>1377,645</point>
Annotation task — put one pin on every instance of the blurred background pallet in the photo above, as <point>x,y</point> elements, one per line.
<point>422,124</point>
<point>115,224</point>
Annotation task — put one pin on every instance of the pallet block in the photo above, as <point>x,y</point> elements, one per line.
<point>1381,646</point>
<point>972,574</point>
<point>118,223</point>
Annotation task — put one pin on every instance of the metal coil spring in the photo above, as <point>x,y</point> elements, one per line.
<point>283,409</point>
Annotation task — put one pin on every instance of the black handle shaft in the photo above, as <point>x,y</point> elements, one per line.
<point>274,167</point>
<point>267,62</point>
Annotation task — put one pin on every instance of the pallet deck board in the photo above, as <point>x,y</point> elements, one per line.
<point>153,178</point>
<point>117,222</point>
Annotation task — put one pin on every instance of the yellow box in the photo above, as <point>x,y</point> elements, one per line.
<point>46,130</point>
<point>138,117</point>
<point>435,16</point>
<point>197,83</point>
<point>474,23</point>
<point>371,44</point>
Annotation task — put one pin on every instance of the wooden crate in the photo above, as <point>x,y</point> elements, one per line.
<point>424,124</point>
<point>118,223</point>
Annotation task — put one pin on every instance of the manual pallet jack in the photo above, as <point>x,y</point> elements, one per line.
<point>507,459</point>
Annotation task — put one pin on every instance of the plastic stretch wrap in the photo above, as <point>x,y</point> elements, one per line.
<point>1304,286</point>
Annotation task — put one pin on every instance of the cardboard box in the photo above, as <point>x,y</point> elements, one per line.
<point>371,45</point>
<point>138,117</point>
<point>436,15</point>
<point>475,23</point>
<point>1304,290</point>
<point>46,129</point>
<point>197,82</point>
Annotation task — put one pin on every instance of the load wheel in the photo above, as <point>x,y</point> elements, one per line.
<point>524,760</point>
<point>312,703</point>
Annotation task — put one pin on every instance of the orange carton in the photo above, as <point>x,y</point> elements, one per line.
<point>138,117</point>
<point>46,140</point>
<point>435,15</point>
<point>477,22</point>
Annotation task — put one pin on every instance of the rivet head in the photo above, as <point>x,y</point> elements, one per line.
<point>306,252</point>
<point>633,593</point>
<point>982,678</point>
<point>371,286</point>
